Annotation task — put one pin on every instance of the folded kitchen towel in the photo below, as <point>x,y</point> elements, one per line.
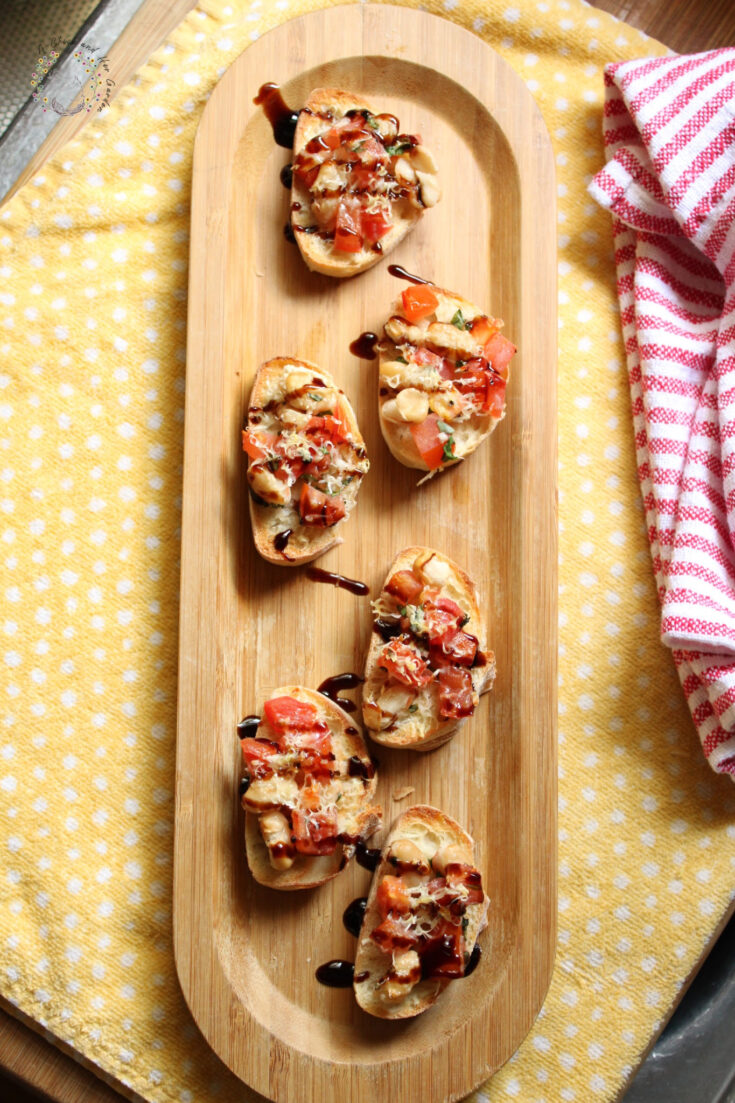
<point>669,129</point>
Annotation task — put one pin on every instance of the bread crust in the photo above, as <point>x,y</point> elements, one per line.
<point>430,829</point>
<point>318,253</point>
<point>309,541</point>
<point>397,434</point>
<point>309,872</point>
<point>415,732</point>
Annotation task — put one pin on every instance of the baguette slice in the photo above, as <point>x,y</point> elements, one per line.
<point>356,182</point>
<point>298,413</point>
<point>339,808</point>
<point>443,372</point>
<point>423,846</point>
<point>414,696</point>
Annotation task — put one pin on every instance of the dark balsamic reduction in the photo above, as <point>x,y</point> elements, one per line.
<point>247,728</point>
<point>316,574</point>
<point>279,114</point>
<point>353,915</point>
<point>440,952</point>
<point>474,960</point>
<point>377,247</point>
<point>243,787</point>
<point>387,629</point>
<point>280,540</point>
<point>330,687</point>
<point>366,856</point>
<point>357,768</point>
<point>402,274</point>
<point>288,233</point>
<point>286,175</point>
<point>364,346</point>
<point>336,974</point>
<point>480,658</point>
<point>360,977</point>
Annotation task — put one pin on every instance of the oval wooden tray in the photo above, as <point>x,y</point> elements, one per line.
<point>246,955</point>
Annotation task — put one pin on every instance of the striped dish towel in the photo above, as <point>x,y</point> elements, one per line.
<point>669,182</point>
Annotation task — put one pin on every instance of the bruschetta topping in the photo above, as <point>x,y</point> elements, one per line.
<point>427,656</point>
<point>422,909</point>
<point>306,458</point>
<point>303,784</point>
<point>443,374</point>
<point>360,174</point>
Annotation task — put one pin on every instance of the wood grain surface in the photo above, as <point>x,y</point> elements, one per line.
<point>686,26</point>
<point>246,955</point>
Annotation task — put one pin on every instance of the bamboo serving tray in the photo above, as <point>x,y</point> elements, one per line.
<point>246,955</point>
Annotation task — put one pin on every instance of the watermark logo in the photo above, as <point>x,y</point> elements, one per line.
<point>89,72</point>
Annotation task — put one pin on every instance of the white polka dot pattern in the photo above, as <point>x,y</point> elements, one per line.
<point>93,264</point>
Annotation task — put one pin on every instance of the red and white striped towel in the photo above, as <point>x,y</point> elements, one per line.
<point>669,128</point>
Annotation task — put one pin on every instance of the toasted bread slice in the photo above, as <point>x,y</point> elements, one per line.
<point>358,185</point>
<point>443,372</point>
<point>407,953</point>
<point>311,786</point>
<point>307,459</point>
<point>427,663</point>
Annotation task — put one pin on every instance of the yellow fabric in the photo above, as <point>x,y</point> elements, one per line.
<point>93,270</point>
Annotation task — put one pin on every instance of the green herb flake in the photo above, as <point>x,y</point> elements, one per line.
<point>465,920</point>
<point>371,121</point>
<point>458,320</point>
<point>274,463</point>
<point>338,798</point>
<point>413,708</point>
<point>403,610</point>
<point>396,150</point>
<point>401,359</point>
<point>313,394</point>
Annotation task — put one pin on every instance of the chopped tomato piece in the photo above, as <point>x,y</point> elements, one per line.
<point>500,351</point>
<point>405,664</point>
<point>258,445</point>
<point>454,647</point>
<point>418,302</point>
<point>496,397</point>
<point>348,233</point>
<point>456,693</point>
<point>482,329</point>
<point>375,224</point>
<point>394,934</point>
<point>426,437</point>
<point>441,615</point>
<point>306,171</point>
<point>331,139</point>
<point>427,358</point>
<point>316,508</point>
<point>362,180</point>
<point>393,896</point>
<point>287,714</point>
<point>256,754</point>
<point>457,873</point>
<point>329,427</point>
<point>405,586</point>
<point>314,832</point>
<point>442,954</point>
<point>314,749</point>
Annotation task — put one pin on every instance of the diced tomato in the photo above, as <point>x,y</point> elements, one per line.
<point>404,663</point>
<point>500,351</point>
<point>454,647</point>
<point>258,445</point>
<point>316,508</point>
<point>362,180</point>
<point>375,224</point>
<point>306,171</point>
<point>426,437</point>
<point>482,329</point>
<point>496,397</point>
<point>442,954</point>
<point>418,302</point>
<point>393,896</point>
<point>394,934</point>
<point>457,873</point>
<point>332,138</point>
<point>287,714</point>
<point>331,427</point>
<point>256,754</point>
<point>348,232</point>
<point>405,586</point>
<point>314,749</point>
<point>456,693</point>
<point>315,832</point>
<point>442,614</point>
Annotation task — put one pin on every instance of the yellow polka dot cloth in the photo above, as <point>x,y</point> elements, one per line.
<point>93,277</point>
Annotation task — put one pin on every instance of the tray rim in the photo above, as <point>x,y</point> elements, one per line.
<point>374,24</point>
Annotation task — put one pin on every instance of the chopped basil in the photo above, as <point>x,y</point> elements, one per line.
<point>371,121</point>
<point>274,463</point>
<point>413,708</point>
<point>459,321</point>
<point>338,798</point>
<point>401,147</point>
<point>448,452</point>
<point>465,921</point>
<point>401,359</point>
<point>403,610</point>
<point>443,427</point>
<point>314,395</point>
